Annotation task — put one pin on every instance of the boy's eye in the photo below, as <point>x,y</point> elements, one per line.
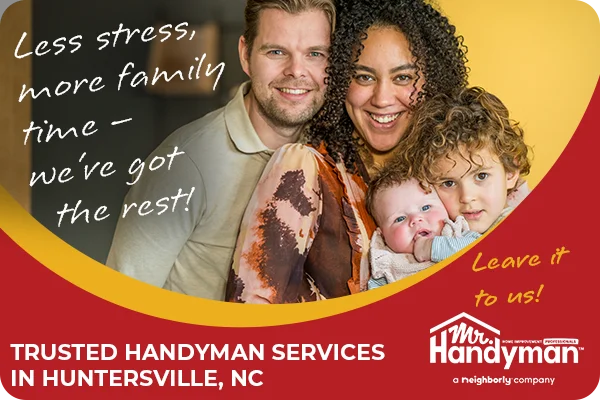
<point>448,184</point>
<point>399,219</point>
<point>481,176</point>
<point>426,208</point>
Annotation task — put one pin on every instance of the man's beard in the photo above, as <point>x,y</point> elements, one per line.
<point>283,118</point>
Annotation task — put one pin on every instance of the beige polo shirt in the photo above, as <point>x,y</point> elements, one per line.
<point>189,249</point>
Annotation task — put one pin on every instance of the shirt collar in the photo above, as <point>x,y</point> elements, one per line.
<point>240,129</point>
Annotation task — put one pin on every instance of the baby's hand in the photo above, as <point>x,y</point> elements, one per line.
<point>422,248</point>
<point>455,228</point>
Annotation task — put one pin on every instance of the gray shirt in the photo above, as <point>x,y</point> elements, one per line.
<point>189,247</point>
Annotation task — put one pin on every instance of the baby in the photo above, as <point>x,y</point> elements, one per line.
<point>472,154</point>
<point>408,212</point>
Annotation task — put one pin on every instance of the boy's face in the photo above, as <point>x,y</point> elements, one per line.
<point>476,191</point>
<point>406,212</point>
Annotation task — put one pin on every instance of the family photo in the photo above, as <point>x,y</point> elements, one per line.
<point>281,151</point>
<point>356,155</point>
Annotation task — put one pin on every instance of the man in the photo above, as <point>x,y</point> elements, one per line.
<point>189,247</point>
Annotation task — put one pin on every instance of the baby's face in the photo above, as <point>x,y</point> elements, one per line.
<point>406,212</point>
<point>478,190</point>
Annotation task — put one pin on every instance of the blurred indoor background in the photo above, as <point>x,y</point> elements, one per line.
<point>155,113</point>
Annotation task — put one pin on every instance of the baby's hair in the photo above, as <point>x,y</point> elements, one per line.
<point>470,121</point>
<point>391,175</point>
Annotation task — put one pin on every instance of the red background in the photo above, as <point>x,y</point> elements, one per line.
<point>40,307</point>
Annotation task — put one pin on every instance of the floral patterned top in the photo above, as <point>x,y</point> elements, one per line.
<point>305,234</point>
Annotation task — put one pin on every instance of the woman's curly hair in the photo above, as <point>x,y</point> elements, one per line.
<point>467,122</point>
<point>439,52</point>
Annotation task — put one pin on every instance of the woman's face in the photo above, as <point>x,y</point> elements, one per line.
<point>379,97</point>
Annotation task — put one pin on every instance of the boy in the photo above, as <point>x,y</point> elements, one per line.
<point>473,155</point>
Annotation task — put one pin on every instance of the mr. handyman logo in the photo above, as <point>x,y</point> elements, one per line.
<point>465,339</point>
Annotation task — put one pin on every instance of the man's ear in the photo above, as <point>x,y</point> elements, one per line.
<point>244,56</point>
<point>511,179</point>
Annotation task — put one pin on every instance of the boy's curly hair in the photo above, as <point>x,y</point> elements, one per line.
<point>471,120</point>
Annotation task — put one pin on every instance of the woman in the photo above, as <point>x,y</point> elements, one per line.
<point>305,233</point>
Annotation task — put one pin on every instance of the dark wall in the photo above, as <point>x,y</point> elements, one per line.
<point>153,117</point>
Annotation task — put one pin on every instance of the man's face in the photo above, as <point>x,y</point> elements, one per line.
<point>406,212</point>
<point>476,190</point>
<point>287,66</point>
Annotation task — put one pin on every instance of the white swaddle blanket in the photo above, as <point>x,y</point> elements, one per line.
<point>395,266</point>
